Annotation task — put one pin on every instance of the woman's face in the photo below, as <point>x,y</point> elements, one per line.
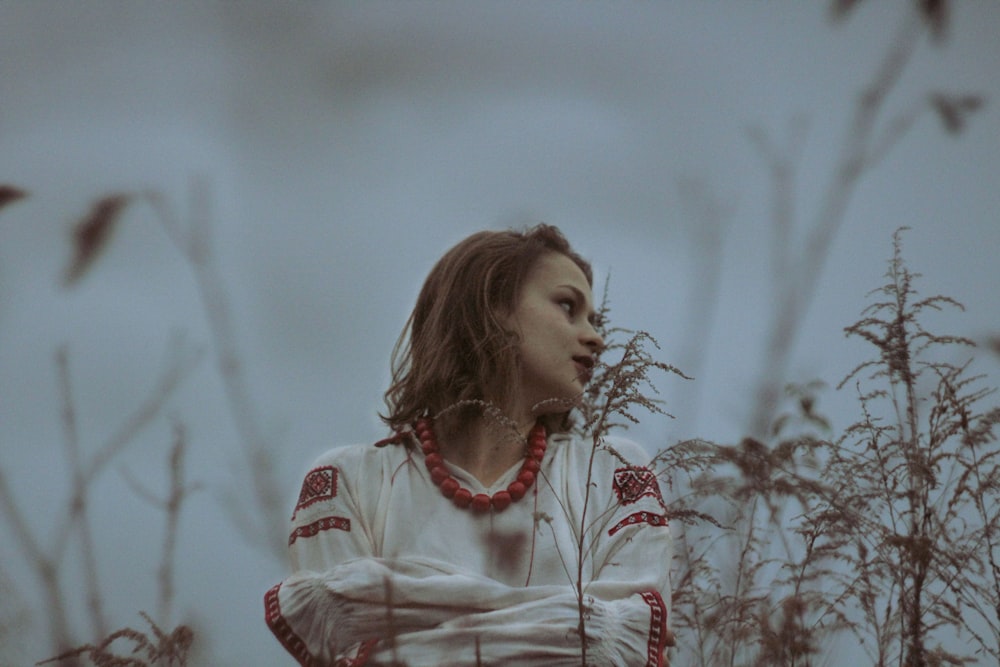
<point>554,317</point>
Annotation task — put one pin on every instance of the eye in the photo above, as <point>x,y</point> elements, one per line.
<point>568,305</point>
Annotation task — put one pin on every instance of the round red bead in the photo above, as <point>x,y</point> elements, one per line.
<point>501,500</point>
<point>480,502</point>
<point>450,487</point>
<point>462,497</point>
<point>439,474</point>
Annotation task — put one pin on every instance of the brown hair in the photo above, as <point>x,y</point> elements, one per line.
<point>454,348</point>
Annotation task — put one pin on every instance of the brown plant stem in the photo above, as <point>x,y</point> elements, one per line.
<point>196,245</point>
<point>45,570</point>
<point>47,564</point>
<point>179,490</point>
<point>79,516</point>
<point>805,267</point>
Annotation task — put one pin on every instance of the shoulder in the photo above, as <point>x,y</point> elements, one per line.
<point>609,452</point>
<point>619,451</point>
<point>343,469</point>
<point>581,458</point>
<point>633,478</point>
<point>620,469</point>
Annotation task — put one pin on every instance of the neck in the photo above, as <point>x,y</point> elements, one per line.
<point>483,447</point>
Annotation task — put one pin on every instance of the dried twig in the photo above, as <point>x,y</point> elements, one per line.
<point>46,563</point>
<point>862,147</point>
<point>178,492</point>
<point>194,240</point>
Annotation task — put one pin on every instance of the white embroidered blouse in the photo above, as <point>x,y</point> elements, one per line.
<point>388,571</point>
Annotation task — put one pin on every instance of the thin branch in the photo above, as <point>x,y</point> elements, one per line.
<point>43,567</point>
<point>806,267</point>
<point>196,245</point>
<point>78,515</point>
<point>179,490</point>
<point>179,363</point>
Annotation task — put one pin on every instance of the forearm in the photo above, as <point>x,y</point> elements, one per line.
<point>541,633</point>
<point>418,612</point>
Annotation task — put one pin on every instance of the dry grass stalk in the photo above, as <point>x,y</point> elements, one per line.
<point>140,650</point>
<point>869,137</point>
<point>194,239</point>
<point>888,533</point>
<point>75,528</point>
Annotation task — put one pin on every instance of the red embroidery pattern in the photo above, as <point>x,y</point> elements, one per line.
<point>319,484</point>
<point>316,527</point>
<point>283,631</point>
<point>635,482</point>
<point>657,628</point>
<point>639,517</point>
<point>294,644</point>
<point>361,659</point>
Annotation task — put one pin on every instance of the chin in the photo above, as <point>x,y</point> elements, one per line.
<point>557,422</point>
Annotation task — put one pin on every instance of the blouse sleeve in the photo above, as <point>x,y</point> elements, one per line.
<point>328,527</point>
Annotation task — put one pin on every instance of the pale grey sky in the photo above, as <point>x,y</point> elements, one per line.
<point>347,145</point>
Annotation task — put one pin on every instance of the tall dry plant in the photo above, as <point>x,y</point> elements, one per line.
<point>800,239</point>
<point>261,520</point>
<point>128,647</point>
<point>73,537</point>
<point>919,487</point>
<point>191,230</point>
<point>73,542</point>
<point>750,587</point>
<point>888,534</point>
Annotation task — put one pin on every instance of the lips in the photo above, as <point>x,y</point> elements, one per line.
<point>585,367</point>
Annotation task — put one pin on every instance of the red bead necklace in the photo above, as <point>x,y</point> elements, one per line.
<point>480,502</point>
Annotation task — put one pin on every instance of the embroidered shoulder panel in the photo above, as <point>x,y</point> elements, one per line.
<point>319,484</point>
<point>635,482</point>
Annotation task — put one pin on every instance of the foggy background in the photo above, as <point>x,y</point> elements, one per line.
<point>343,147</point>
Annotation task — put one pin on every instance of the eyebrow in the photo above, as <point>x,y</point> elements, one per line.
<point>592,316</point>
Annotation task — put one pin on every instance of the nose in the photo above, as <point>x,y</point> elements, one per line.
<point>592,339</point>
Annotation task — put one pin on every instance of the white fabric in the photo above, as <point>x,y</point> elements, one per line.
<point>388,570</point>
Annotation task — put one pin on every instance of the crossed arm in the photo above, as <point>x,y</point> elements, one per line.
<point>423,612</point>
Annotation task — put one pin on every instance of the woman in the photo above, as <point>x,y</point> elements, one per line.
<point>482,532</point>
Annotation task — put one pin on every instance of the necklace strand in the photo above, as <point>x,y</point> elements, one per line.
<point>480,502</point>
